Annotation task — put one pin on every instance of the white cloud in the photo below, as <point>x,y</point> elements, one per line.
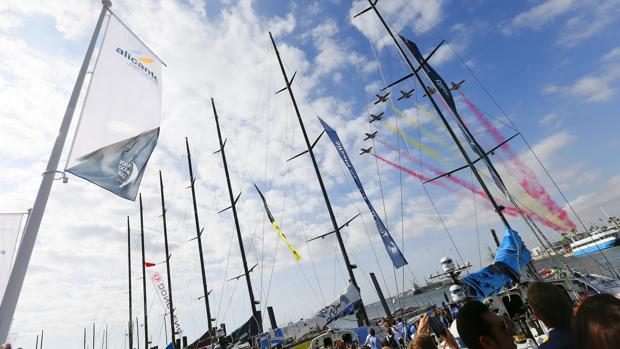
<point>594,89</point>
<point>548,119</point>
<point>423,15</point>
<point>539,15</point>
<point>611,55</point>
<point>585,18</point>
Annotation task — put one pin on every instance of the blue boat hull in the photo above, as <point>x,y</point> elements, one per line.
<point>592,249</point>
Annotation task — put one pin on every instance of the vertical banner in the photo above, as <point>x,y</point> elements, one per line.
<point>10,224</point>
<point>162,292</point>
<point>277,228</point>
<point>119,125</point>
<point>390,245</point>
<point>446,95</point>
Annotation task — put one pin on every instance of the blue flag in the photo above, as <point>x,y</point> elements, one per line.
<point>118,167</point>
<point>390,245</point>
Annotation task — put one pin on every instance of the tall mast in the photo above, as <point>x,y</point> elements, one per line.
<point>233,203</point>
<point>498,209</point>
<point>130,322</point>
<point>20,266</point>
<point>362,317</point>
<point>198,237</point>
<point>137,334</point>
<point>146,322</point>
<point>163,215</point>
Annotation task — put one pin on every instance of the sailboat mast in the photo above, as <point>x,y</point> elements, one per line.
<point>497,208</point>
<point>233,204</point>
<point>163,215</point>
<point>146,323</point>
<point>198,237</point>
<point>22,259</point>
<point>362,317</point>
<point>130,323</point>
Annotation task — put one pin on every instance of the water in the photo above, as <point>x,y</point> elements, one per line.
<point>593,263</point>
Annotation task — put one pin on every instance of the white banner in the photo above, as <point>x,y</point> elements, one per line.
<point>10,224</point>
<point>163,294</point>
<point>343,305</point>
<point>120,119</point>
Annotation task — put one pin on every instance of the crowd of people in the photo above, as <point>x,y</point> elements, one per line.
<point>592,324</point>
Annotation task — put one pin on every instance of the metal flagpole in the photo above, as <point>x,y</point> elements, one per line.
<point>362,317</point>
<point>233,205</point>
<point>130,323</point>
<point>199,237</point>
<point>146,322</point>
<point>170,306</point>
<point>20,266</point>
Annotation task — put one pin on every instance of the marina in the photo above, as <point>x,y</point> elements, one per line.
<point>287,195</point>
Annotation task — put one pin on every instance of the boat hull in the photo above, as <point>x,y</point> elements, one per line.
<point>595,246</point>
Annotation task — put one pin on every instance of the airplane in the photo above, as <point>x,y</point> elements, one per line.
<point>431,90</point>
<point>365,151</point>
<point>457,85</point>
<point>382,99</point>
<point>405,95</point>
<point>370,135</point>
<point>377,117</point>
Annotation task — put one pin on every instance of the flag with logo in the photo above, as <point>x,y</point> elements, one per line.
<point>119,123</point>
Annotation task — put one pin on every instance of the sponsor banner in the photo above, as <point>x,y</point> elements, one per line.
<point>119,124</point>
<point>398,260</point>
<point>277,228</point>
<point>163,294</point>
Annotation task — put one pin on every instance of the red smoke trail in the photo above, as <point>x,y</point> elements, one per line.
<point>437,172</point>
<point>509,210</point>
<point>413,173</point>
<point>529,182</point>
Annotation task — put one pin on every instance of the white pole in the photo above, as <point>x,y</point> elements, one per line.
<point>18,273</point>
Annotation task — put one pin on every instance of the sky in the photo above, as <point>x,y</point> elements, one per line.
<point>549,70</point>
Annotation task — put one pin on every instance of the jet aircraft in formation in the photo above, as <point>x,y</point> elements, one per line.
<point>431,90</point>
<point>382,98</point>
<point>456,86</point>
<point>405,95</point>
<point>370,135</point>
<point>365,150</point>
<point>377,117</point>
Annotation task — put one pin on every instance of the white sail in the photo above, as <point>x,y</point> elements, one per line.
<point>10,224</point>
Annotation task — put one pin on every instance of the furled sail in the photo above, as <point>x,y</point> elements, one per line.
<point>511,257</point>
<point>345,304</point>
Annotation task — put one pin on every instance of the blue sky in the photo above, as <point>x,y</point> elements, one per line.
<point>553,66</point>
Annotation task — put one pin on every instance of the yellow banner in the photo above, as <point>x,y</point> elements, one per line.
<point>290,246</point>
